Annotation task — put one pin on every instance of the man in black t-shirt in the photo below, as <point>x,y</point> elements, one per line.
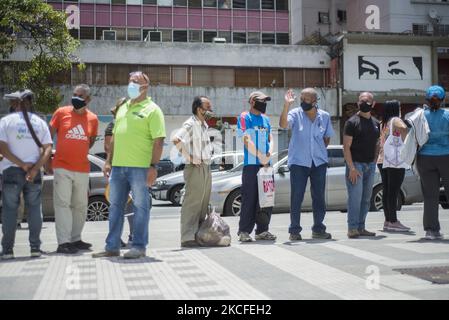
<point>361,149</point>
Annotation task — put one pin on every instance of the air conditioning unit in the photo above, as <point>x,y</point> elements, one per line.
<point>109,35</point>
<point>154,36</point>
<point>219,40</point>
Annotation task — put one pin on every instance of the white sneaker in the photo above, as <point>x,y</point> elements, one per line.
<point>245,237</point>
<point>134,254</point>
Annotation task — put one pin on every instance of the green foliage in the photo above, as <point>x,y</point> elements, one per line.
<point>35,28</point>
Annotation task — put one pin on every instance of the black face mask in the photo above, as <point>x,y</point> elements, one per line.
<point>365,107</point>
<point>306,106</point>
<point>78,102</point>
<point>261,106</point>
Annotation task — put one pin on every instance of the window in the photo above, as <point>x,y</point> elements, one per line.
<point>420,29</point>
<point>281,5</point>
<point>194,3</point>
<point>159,75</point>
<point>323,17</point>
<point>98,76</point>
<point>224,4</point>
<point>180,35</point>
<point>167,36</point>
<point>149,1</point>
<point>226,35</point>
<point>341,16</point>
<point>272,78</point>
<point>180,3</point>
<point>118,1</point>
<point>247,77</point>
<point>253,4</point>
<point>210,3</point>
<point>282,38</point>
<point>294,78</point>
<point>134,35</point>
<point>134,2</point>
<point>95,168</point>
<point>314,77</point>
<point>239,4</point>
<point>268,4</point>
<point>212,77</point>
<point>208,36</point>
<point>87,33</point>
<point>180,76</point>
<point>120,33</point>
<point>195,36</point>
<point>336,158</point>
<point>254,37</point>
<point>239,37</point>
<point>109,35</point>
<point>118,74</point>
<point>99,32</point>
<point>268,38</point>
<point>152,36</point>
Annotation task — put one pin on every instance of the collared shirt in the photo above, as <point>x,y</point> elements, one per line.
<point>307,142</point>
<point>136,127</point>
<point>438,143</point>
<point>195,137</point>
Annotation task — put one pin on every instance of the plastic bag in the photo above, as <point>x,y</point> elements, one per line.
<point>265,182</point>
<point>214,232</point>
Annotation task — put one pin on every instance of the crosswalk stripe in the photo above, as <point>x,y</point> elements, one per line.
<point>342,284</point>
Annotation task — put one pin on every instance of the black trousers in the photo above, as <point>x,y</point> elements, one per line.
<point>251,214</point>
<point>432,170</point>
<point>392,179</point>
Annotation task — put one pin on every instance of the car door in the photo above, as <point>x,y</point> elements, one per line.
<point>282,187</point>
<point>336,194</point>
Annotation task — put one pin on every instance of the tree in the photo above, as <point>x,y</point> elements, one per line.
<point>34,27</point>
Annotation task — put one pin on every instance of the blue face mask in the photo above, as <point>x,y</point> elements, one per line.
<point>133,90</point>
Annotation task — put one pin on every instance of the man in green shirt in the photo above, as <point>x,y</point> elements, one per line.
<point>136,149</point>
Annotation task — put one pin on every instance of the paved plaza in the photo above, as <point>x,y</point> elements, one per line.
<point>312,269</point>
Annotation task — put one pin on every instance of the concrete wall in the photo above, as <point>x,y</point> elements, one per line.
<point>196,54</point>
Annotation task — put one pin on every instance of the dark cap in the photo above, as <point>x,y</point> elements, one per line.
<point>19,95</point>
<point>258,95</point>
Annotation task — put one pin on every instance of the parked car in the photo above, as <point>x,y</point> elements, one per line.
<point>165,165</point>
<point>444,201</point>
<point>226,194</point>
<point>98,206</point>
<point>169,187</point>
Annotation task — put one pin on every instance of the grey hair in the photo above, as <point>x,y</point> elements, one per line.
<point>309,91</point>
<point>85,88</point>
<point>366,93</point>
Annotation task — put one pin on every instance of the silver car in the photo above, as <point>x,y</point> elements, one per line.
<point>168,187</point>
<point>226,195</point>
<point>98,206</point>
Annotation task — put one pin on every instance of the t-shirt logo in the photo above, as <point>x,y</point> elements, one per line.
<point>76,133</point>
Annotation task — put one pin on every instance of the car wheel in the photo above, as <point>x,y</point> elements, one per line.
<point>376,199</point>
<point>175,195</point>
<point>233,204</point>
<point>97,209</point>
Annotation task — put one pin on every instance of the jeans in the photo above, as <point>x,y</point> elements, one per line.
<point>251,214</point>
<point>13,184</point>
<point>392,179</point>
<point>298,180</point>
<point>359,194</point>
<point>122,181</point>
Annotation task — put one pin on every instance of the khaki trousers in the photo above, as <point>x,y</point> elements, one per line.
<point>196,200</point>
<point>70,198</point>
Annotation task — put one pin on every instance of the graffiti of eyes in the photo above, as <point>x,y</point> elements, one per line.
<point>396,71</point>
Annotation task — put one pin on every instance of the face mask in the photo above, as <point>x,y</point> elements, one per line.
<point>78,102</point>
<point>365,107</point>
<point>133,90</point>
<point>261,106</point>
<point>306,106</point>
<point>209,115</point>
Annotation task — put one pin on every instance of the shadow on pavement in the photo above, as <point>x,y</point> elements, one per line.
<point>121,260</point>
<point>405,233</point>
<point>422,240</point>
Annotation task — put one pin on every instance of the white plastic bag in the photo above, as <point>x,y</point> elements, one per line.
<point>265,182</point>
<point>214,232</point>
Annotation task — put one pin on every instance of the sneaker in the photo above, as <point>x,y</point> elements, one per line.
<point>386,226</point>
<point>433,235</point>
<point>245,237</point>
<point>36,253</point>
<point>397,227</point>
<point>266,236</point>
<point>134,254</point>
<point>8,255</point>
<point>122,244</point>
<point>106,254</point>
<point>295,237</point>
<point>366,233</point>
<point>66,248</point>
<point>353,233</point>
<point>189,244</point>
<point>81,245</point>
<point>321,235</point>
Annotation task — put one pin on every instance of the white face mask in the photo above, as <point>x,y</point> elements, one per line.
<point>133,90</point>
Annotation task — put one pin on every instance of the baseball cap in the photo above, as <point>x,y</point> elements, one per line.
<point>435,91</point>
<point>19,95</point>
<point>258,95</point>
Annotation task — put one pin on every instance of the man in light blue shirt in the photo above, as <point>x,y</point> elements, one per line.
<point>307,158</point>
